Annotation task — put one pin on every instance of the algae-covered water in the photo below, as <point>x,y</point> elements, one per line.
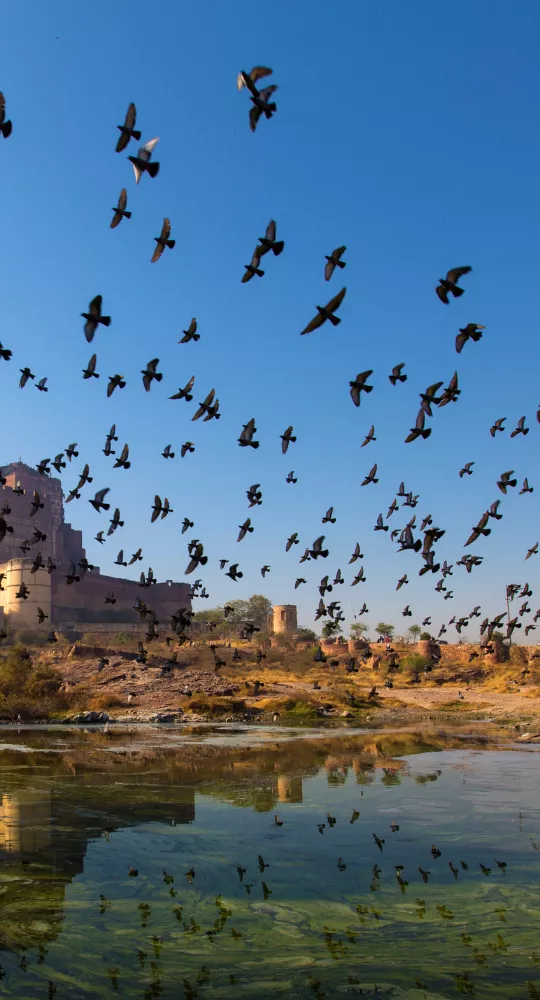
<point>316,913</point>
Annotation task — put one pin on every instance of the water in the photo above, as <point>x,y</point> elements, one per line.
<point>79,807</point>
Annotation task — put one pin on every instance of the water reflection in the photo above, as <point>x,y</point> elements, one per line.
<point>78,808</point>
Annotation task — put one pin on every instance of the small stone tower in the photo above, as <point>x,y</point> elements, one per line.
<point>285,618</point>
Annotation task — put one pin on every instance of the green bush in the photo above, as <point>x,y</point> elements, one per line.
<point>27,690</point>
<point>414,662</point>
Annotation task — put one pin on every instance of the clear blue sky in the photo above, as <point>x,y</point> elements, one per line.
<point>405,132</point>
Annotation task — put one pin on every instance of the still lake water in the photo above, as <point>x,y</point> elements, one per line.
<point>327,916</point>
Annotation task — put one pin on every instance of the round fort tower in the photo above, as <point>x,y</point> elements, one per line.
<point>284,618</point>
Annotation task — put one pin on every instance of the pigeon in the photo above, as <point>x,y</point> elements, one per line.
<point>111,436</point>
<point>185,393</point>
<point>317,549</point>
<point>380,526</point>
<point>234,572</point>
<point>418,430</point>
<point>450,283</point>
<point>25,375</point>
<point>298,581</point>
<point>98,501</point>
<point>99,538</point>
<point>122,461</point>
<point>253,268</point>
<point>466,470</point>
<point>358,386</point>
<point>119,561</point>
<point>136,557</point>
<point>370,478</point>
<point>265,570</point>
<point>328,517</point>
<point>141,162</point>
<point>41,385</point>
<point>94,318</point>
<point>291,477</point>
<point>188,446</point>
<point>326,313</point>
<point>58,464</point>
<point>254,495</point>
<point>407,613</point>
<point>497,426</point>
<point>369,437</point>
<point>356,554</point>
<point>115,381</point>
<point>451,393</point>
<point>5,126</point>
<point>470,332</point>
<point>261,105</point>
<point>43,467</point>
<point>479,529</point>
<point>268,241</point>
<point>120,210</point>
<point>149,374</point>
<point>532,551</point>
<point>505,481</point>
<point>110,598</point>
<point>292,540</point>
<point>526,488</point>
<point>286,439</point>
<point>246,437</point>
<point>189,334</point>
<point>244,528</point>
<point>430,396</point>
<point>127,130</point>
<point>493,510</point>
<point>402,581</point>
<point>163,241</point>
<point>37,504</point>
<point>115,522</point>
<point>204,407</point>
<point>333,261</point>
<point>359,578</point>
<point>520,428</point>
<point>5,353</point>
<point>396,375</point>
<point>167,453</point>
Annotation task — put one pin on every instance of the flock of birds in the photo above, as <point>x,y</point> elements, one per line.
<point>407,538</point>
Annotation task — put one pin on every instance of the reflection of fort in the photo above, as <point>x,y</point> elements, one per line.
<point>25,822</point>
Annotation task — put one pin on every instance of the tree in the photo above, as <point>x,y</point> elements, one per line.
<point>384,629</point>
<point>307,634</point>
<point>358,629</point>
<point>256,610</point>
<point>414,631</point>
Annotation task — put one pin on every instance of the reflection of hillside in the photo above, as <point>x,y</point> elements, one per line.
<point>54,804</point>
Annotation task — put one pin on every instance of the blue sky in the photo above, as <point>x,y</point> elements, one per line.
<point>409,137</point>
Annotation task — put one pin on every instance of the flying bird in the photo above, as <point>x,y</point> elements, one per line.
<point>333,261</point>
<point>204,407</point>
<point>451,393</point>
<point>526,488</point>
<point>286,439</point>
<point>167,453</point>
<point>328,517</point>
<point>261,105</point>
<point>479,529</point>
<point>505,481</point>
<point>94,318</point>
<point>470,332</point>
<point>419,430</point>
<point>127,130</point>
<point>189,334</point>
<point>188,446</point>
<point>141,162</point>
<point>115,522</point>
<point>520,428</point>
<point>466,470</point>
<point>90,370</point>
<point>397,375</point>
<point>149,374</point>
<point>25,375</point>
<point>244,528</point>
<point>163,241</point>
<point>185,393</point>
<point>120,210</point>
<point>246,437</point>
<point>358,385</point>
<point>369,437</point>
<point>41,385</point>
<point>326,312</point>
<point>268,241</point>
<point>497,426</point>
<point>291,477</point>
<point>532,551</point>
<point>253,268</point>
<point>450,283</point>
<point>111,437</point>
<point>370,478</point>
<point>98,501</point>
<point>122,461</point>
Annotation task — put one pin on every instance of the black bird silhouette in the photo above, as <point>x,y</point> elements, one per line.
<point>41,616</point>
<point>287,438</point>
<point>466,470</point>
<point>268,241</point>
<point>317,549</point>
<point>120,210</point>
<point>99,538</point>
<point>187,446</point>
<point>497,426</point>
<point>185,393</point>
<point>470,332</point>
<point>115,381</point>
<point>186,523</point>
<point>532,551</point>
<point>141,162</point>
<point>358,385</point>
<point>292,540</point>
<point>111,436</point>
<point>163,241</point>
<point>451,393</point>
<point>5,126</point>
<point>369,437</point>
<point>110,598</point>
<point>94,318</point>
<point>5,353</point>
<point>234,572</point>
<point>328,517</point>
<point>526,488</point>
<point>450,283</point>
<point>291,477</point>
<point>326,313</point>
<point>253,268</point>
<point>127,130</point>
<point>370,478</point>
<point>505,481</point>
<point>246,437</point>
<point>418,430</point>
<point>115,522</point>
<point>244,528</point>
<point>122,460</point>
<point>41,385</point>
<point>407,613</point>
<point>430,396</point>
<point>520,428</point>
<point>333,261</point>
<point>380,525</point>
<point>43,467</point>
<point>397,375</point>
<point>37,504</point>
<point>25,375</point>
<point>402,580</point>
<point>359,578</point>
<point>136,557</point>
<point>254,495</point>
<point>204,407</point>
<point>261,105</point>
<point>150,374</point>
<point>189,334</point>
<point>250,79</point>
<point>167,453</point>
<point>90,370</point>
<point>356,554</point>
